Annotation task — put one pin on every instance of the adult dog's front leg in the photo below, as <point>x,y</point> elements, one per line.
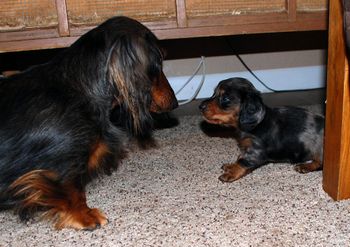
<point>74,213</point>
<point>64,203</point>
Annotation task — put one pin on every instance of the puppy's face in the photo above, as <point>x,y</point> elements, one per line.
<point>235,103</point>
<point>223,107</point>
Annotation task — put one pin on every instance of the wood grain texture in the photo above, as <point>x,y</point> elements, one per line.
<point>63,27</point>
<point>91,12</point>
<point>181,13</point>
<point>16,15</point>
<point>312,5</point>
<point>47,39</point>
<point>336,173</point>
<point>196,8</point>
<point>170,19</point>
<point>292,9</point>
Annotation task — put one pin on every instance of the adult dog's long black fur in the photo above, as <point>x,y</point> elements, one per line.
<point>56,132</point>
<point>264,134</point>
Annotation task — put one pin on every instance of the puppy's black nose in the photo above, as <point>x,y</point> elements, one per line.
<point>203,106</point>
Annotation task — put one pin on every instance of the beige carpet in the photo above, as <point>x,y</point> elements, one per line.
<point>170,196</point>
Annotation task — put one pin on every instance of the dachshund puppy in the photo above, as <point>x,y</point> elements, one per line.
<point>56,131</point>
<point>264,134</point>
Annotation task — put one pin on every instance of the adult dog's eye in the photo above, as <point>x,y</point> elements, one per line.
<point>225,101</point>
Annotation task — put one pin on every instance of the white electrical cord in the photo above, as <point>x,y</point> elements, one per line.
<point>201,64</point>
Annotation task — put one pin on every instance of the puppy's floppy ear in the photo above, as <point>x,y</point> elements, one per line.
<point>252,111</point>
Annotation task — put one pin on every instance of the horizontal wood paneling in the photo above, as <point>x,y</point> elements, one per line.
<point>95,11</point>
<point>23,15</point>
<point>169,19</point>
<point>195,8</point>
<point>312,5</point>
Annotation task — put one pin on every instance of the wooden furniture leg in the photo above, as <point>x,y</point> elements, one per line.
<point>336,172</point>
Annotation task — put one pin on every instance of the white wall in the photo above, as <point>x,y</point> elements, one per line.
<point>291,70</point>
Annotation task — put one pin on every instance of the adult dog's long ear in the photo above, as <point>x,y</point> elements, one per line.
<point>252,111</point>
<point>128,72</point>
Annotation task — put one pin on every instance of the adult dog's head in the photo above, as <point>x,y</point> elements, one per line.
<point>122,63</point>
<point>235,103</point>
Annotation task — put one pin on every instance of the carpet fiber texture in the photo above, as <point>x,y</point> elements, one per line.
<point>171,196</point>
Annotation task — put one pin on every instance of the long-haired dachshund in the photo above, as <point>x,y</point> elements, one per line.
<point>264,134</point>
<point>56,132</point>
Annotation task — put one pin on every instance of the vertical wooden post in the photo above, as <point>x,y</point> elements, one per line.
<point>336,172</point>
<point>292,10</point>
<point>62,15</point>
<point>181,13</point>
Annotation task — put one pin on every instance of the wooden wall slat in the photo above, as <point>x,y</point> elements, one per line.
<point>169,19</point>
<point>292,9</point>
<point>312,5</point>
<point>197,8</point>
<point>181,13</point>
<point>95,11</point>
<point>63,27</point>
<point>22,15</point>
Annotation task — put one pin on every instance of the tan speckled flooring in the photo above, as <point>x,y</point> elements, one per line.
<point>170,196</point>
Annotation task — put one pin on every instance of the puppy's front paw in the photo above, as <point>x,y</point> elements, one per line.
<point>301,169</point>
<point>308,167</point>
<point>227,178</point>
<point>226,167</point>
<point>233,172</point>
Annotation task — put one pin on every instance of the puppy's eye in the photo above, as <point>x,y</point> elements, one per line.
<point>225,101</point>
